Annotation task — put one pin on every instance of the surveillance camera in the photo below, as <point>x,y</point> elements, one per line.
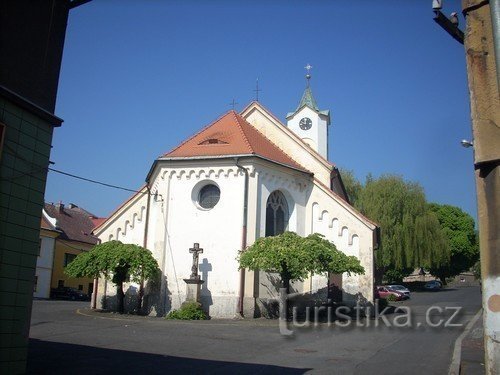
<point>437,4</point>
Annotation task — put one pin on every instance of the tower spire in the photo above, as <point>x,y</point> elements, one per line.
<point>307,97</point>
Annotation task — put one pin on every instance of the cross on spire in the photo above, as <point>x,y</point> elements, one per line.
<point>257,91</point>
<point>308,67</point>
<point>233,103</point>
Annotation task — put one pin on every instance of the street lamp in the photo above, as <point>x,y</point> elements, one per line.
<point>465,143</point>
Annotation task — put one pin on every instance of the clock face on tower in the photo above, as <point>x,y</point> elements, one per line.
<point>305,123</point>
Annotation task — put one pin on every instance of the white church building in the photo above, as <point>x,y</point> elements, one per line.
<point>244,176</point>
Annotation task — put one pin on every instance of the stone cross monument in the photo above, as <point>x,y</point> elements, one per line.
<point>193,284</point>
<point>195,250</point>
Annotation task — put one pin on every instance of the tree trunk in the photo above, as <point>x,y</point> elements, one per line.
<point>443,280</point>
<point>286,285</point>
<point>120,297</point>
<point>140,296</point>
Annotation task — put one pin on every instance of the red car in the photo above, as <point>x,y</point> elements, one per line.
<point>383,292</point>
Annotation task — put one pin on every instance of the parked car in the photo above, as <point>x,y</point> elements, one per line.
<point>68,293</point>
<point>433,285</point>
<point>384,293</point>
<point>399,288</point>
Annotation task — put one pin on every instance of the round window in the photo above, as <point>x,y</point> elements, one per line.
<point>209,196</point>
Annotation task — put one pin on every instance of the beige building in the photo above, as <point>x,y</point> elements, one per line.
<point>66,232</point>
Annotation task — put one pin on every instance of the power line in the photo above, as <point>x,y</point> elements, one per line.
<point>37,169</point>
<point>95,181</point>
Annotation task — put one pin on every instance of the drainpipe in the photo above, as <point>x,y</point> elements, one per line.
<point>243,237</point>
<point>145,245</point>
<point>95,288</point>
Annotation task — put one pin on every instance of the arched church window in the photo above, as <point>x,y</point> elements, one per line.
<point>276,214</point>
<point>209,196</point>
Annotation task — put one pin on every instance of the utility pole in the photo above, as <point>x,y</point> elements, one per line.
<point>481,38</point>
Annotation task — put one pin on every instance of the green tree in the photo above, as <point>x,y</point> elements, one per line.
<point>410,235</point>
<point>294,257</point>
<point>352,185</point>
<point>118,261</point>
<point>458,227</point>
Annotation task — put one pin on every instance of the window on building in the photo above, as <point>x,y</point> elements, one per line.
<point>209,196</point>
<point>35,286</point>
<point>60,283</point>
<point>276,214</point>
<point>80,287</point>
<point>68,258</point>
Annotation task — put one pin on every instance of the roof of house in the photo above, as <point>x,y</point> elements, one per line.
<point>45,224</point>
<point>231,134</point>
<point>75,223</point>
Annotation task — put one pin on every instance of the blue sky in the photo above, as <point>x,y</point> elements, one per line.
<point>138,77</point>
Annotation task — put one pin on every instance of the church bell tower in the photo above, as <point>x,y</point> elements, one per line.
<point>308,122</point>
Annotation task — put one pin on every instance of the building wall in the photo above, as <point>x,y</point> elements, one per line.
<point>290,143</point>
<point>24,157</point>
<point>65,247</point>
<point>351,233</point>
<point>176,223</point>
<point>44,263</point>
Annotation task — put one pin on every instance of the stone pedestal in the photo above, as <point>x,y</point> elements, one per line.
<point>193,288</point>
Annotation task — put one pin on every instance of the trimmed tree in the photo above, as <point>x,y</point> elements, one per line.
<point>294,257</point>
<point>116,261</point>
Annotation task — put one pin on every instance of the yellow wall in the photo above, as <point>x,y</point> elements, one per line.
<point>63,247</point>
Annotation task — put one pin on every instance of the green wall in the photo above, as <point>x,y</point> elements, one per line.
<point>24,159</point>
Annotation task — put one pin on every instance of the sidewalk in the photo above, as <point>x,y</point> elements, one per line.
<point>472,357</point>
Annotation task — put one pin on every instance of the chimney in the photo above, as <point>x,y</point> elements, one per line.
<point>72,205</point>
<point>60,207</point>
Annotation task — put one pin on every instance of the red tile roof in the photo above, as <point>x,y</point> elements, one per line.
<point>98,221</point>
<point>231,134</point>
<point>74,222</point>
<point>45,224</point>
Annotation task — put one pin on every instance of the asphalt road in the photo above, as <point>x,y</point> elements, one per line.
<point>66,338</point>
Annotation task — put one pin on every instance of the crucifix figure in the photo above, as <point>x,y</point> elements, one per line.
<point>195,250</point>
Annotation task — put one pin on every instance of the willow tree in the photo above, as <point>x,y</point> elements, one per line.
<point>118,262</point>
<point>352,185</point>
<point>411,236</point>
<point>294,257</point>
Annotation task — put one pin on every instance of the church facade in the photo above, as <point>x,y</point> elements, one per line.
<point>244,176</point>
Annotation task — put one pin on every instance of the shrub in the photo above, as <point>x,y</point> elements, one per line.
<point>188,311</point>
<point>391,298</point>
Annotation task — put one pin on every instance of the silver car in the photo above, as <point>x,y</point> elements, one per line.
<point>399,288</point>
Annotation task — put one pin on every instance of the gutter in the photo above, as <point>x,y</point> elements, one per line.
<point>221,157</point>
<point>241,294</point>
